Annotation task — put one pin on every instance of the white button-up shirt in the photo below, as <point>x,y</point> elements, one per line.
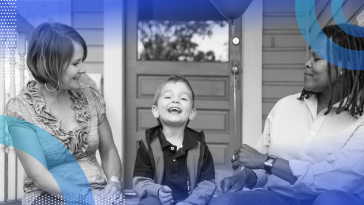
<point>325,152</point>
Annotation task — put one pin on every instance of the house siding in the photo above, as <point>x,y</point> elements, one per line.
<point>88,20</point>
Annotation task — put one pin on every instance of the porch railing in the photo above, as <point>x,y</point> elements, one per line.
<point>13,44</point>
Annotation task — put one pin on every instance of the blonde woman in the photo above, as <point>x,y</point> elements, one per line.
<point>72,113</point>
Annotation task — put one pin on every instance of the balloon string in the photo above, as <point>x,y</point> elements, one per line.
<point>234,80</point>
<point>236,135</point>
<point>232,29</point>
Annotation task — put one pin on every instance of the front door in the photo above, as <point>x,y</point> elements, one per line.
<point>193,40</point>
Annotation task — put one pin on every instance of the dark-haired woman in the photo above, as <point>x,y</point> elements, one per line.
<point>312,147</point>
<point>74,114</point>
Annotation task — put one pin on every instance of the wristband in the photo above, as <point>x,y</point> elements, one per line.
<point>268,164</point>
<point>115,179</point>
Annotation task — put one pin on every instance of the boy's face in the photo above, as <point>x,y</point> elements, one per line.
<point>174,105</point>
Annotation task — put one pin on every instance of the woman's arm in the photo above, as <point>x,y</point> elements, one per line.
<point>109,157</point>
<point>250,158</point>
<point>282,170</point>
<point>31,155</point>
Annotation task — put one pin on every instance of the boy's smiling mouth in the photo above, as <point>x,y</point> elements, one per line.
<point>174,109</point>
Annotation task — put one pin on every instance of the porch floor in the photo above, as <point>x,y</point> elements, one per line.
<point>11,203</point>
<point>130,200</point>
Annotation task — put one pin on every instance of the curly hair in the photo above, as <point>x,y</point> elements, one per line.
<point>348,90</point>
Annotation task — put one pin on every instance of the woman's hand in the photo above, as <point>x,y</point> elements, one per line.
<point>112,188</point>
<point>248,157</point>
<point>113,191</point>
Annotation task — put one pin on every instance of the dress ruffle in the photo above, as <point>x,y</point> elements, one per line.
<point>74,140</point>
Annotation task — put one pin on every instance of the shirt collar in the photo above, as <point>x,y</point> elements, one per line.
<point>312,104</point>
<point>164,142</point>
<point>188,140</point>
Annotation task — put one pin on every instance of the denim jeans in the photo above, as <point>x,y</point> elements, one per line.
<point>266,197</point>
<point>150,201</point>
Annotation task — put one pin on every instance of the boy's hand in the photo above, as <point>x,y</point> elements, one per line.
<point>165,195</point>
<point>233,183</point>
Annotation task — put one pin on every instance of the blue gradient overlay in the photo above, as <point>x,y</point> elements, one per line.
<point>26,145</point>
<point>315,28</point>
<point>336,5</point>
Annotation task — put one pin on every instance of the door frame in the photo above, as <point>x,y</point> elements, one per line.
<point>114,72</point>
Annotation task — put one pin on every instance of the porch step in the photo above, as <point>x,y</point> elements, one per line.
<point>130,197</point>
<point>11,203</point>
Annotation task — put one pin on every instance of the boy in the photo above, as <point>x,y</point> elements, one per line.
<point>173,163</point>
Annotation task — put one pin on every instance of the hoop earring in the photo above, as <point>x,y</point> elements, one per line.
<point>45,84</point>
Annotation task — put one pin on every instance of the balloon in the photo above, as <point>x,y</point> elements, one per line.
<point>231,9</point>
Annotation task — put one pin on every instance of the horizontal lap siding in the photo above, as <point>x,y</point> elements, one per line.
<point>88,20</point>
<point>284,53</point>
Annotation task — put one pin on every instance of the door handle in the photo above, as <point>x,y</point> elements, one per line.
<point>235,75</point>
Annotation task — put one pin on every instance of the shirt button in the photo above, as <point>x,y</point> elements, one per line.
<point>172,148</point>
<point>312,133</point>
<point>174,160</point>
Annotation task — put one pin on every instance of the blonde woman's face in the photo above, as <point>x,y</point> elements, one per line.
<point>72,74</point>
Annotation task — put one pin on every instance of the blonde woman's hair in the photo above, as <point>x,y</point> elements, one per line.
<point>51,50</point>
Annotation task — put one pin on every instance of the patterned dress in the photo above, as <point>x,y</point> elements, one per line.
<point>82,142</point>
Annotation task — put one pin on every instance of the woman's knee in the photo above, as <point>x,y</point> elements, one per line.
<point>336,197</point>
<point>150,201</point>
<point>248,198</point>
<point>223,199</point>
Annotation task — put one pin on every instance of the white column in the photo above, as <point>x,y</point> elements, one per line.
<point>19,180</point>
<point>12,71</point>
<point>114,69</point>
<point>20,170</point>
<point>12,160</point>
<point>2,77</point>
<point>2,159</point>
<point>29,73</point>
<point>21,52</point>
<point>2,121</point>
<point>12,174</point>
<point>252,73</point>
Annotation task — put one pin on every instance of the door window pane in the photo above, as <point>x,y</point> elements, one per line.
<point>181,30</point>
<point>189,41</point>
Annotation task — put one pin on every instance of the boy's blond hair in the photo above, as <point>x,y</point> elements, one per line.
<point>174,78</point>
